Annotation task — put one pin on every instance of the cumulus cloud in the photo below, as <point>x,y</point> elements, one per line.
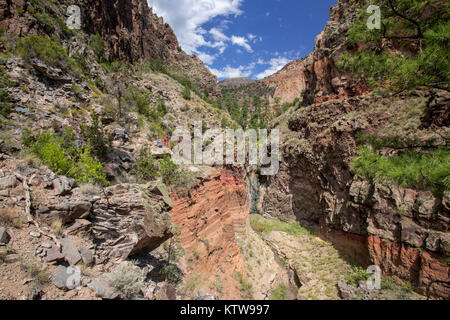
<point>186,17</point>
<point>275,65</point>
<point>241,41</point>
<point>230,72</point>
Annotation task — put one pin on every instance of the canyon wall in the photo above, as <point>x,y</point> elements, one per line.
<point>404,230</point>
<point>209,216</point>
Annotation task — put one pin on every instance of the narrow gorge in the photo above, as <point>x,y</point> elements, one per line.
<point>88,188</point>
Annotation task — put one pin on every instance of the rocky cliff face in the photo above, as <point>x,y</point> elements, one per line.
<point>403,230</point>
<point>316,76</point>
<point>130,29</point>
<point>210,216</point>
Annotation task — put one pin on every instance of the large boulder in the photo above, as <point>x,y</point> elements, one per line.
<point>129,219</point>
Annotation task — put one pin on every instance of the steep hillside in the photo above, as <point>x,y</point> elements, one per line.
<point>131,32</point>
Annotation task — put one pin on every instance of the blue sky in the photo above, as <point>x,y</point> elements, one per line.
<point>245,38</point>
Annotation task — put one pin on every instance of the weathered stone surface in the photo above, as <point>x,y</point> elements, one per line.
<point>69,211</point>
<point>66,278</point>
<point>346,291</point>
<point>70,251</point>
<point>412,234</point>
<point>4,236</point>
<point>11,258</point>
<point>8,182</point>
<point>53,254</point>
<point>130,220</point>
<point>49,72</point>
<point>161,189</point>
<point>103,289</point>
<point>63,185</point>
<point>87,256</point>
<point>35,234</point>
<point>78,226</point>
<point>360,191</point>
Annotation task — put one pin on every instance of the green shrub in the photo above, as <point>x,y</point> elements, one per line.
<point>5,103</point>
<point>171,273</point>
<point>427,66</point>
<point>98,46</point>
<point>161,109</point>
<point>146,165</point>
<point>89,169</point>
<point>60,155</point>
<point>127,281</point>
<point>96,135</point>
<point>168,171</point>
<point>407,169</point>
<point>279,293</point>
<point>49,148</point>
<point>45,21</point>
<point>186,93</point>
<point>356,275</point>
<point>246,287</point>
<point>45,49</point>
<point>138,99</point>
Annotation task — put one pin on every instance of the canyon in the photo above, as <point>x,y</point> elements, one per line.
<point>219,232</point>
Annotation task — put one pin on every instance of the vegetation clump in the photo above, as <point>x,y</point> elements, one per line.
<point>45,49</point>
<point>427,169</point>
<point>127,281</point>
<point>61,156</point>
<point>149,168</point>
<point>425,38</point>
<point>279,293</point>
<point>263,225</point>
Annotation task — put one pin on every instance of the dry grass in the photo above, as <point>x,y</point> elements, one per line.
<point>10,218</point>
<point>57,226</point>
<point>35,270</point>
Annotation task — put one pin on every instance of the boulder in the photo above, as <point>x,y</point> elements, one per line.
<point>63,185</point>
<point>69,211</point>
<point>8,182</point>
<point>53,254</point>
<point>87,256</point>
<point>78,226</point>
<point>35,234</point>
<point>132,219</point>
<point>50,72</point>
<point>11,258</point>
<point>70,251</point>
<point>66,278</point>
<point>4,236</point>
<point>161,189</point>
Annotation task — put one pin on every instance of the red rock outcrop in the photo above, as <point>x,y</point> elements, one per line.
<point>209,215</point>
<point>402,261</point>
<point>315,78</point>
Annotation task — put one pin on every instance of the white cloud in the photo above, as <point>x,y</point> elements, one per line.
<point>186,17</point>
<point>241,41</point>
<point>230,72</point>
<point>218,35</point>
<point>275,65</point>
